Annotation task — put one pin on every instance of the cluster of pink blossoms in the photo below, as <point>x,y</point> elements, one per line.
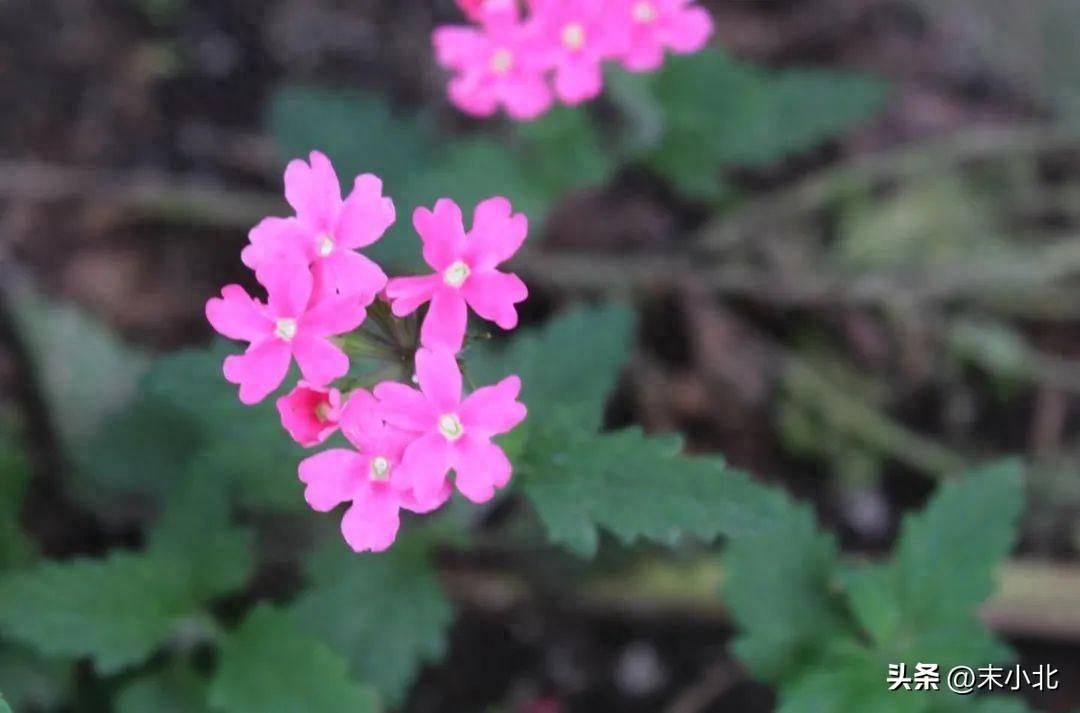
<point>506,57</point>
<point>404,440</point>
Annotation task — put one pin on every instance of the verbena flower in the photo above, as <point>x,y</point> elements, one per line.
<point>651,26</point>
<point>309,413</point>
<point>451,433</point>
<point>499,63</point>
<point>326,230</point>
<point>368,477</point>
<point>289,325</point>
<point>578,35</point>
<point>465,271</point>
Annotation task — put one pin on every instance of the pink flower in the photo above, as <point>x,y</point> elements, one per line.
<point>650,26</point>
<point>368,477</point>
<point>578,36</point>
<point>289,325</point>
<point>480,10</point>
<point>310,414</point>
<point>465,271</point>
<point>452,433</point>
<point>326,230</point>
<point>501,63</point>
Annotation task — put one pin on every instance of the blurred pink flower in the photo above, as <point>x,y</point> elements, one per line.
<point>578,36</point>
<point>465,271</point>
<point>452,433</point>
<point>479,10</point>
<point>499,63</point>
<point>326,230</point>
<point>368,477</point>
<point>310,414</point>
<point>650,26</point>
<point>289,325</point>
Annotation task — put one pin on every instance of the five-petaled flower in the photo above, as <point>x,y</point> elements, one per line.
<point>465,271</point>
<point>651,26</point>
<point>451,432</point>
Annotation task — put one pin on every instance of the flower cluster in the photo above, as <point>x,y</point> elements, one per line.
<point>403,441</point>
<point>506,57</point>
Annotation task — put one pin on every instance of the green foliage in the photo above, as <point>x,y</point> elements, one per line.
<point>271,665</point>
<point>826,634</point>
<point>15,548</point>
<point>174,690</point>
<point>394,599</point>
<point>705,112</point>
<point>31,682</point>
<point>4,708</point>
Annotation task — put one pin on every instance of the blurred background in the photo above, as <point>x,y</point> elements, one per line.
<point>850,230</point>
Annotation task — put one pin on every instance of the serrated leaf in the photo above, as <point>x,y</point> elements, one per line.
<point>718,113</point>
<point>599,338</point>
<point>175,690</point>
<point>781,593</point>
<point>67,348</point>
<point>635,487</point>
<point>272,665</point>
<point>32,683</point>
<point>117,611</point>
<point>347,605</point>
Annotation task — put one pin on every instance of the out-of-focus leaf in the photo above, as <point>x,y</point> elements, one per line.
<point>15,547</point>
<point>271,665</point>
<point>780,592</point>
<point>32,683</point>
<point>174,690</point>
<point>4,708</point>
<point>85,372</point>
<point>117,611</point>
<point>348,602</point>
<point>563,149</point>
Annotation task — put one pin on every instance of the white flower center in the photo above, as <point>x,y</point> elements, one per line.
<point>573,36</point>
<point>644,12</point>
<point>502,61</point>
<point>322,412</point>
<point>326,245</point>
<point>286,329</point>
<point>450,426</point>
<point>456,274</point>
<point>380,468</point>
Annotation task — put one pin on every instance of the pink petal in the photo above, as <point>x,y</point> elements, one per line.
<point>310,415</point>
<point>288,286</point>
<point>440,378</point>
<point>260,370</point>
<point>481,467</point>
<point>492,295</point>
<point>405,407</point>
<point>410,502</point>
<point>492,410</point>
<point>526,98</point>
<point>277,238</point>
<point>360,420</point>
<point>372,523</point>
<point>332,316</point>
<point>408,293</point>
<point>331,477</point>
<point>688,30</point>
<point>446,321</point>
<point>443,233</point>
<point>645,55</point>
<point>474,97</point>
<point>497,234</point>
<point>424,467</point>
<point>365,215</point>
<point>313,191</point>
<point>458,47</point>
<point>348,273</point>
<point>576,82</point>
<point>320,361</point>
<point>237,315</point>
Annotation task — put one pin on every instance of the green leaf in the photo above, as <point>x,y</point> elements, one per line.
<point>347,605</point>
<point>85,372</point>
<point>271,665</point>
<point>174,690</point>
<point>15,547</point>
<point>780,591</point>
<point>600,339</point>
<point>634,486</point>
<point>196,528</point>
<point>32,683</point>
<point>563,149</point>
<point>4,708</point>
<point>717,113</point>
<point>117,610</point>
